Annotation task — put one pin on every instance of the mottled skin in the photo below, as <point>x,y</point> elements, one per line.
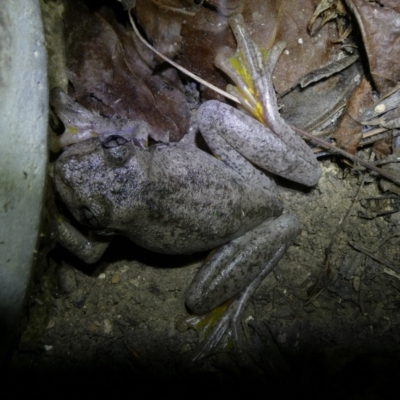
<point>171,198</point>
<point>175,198</point>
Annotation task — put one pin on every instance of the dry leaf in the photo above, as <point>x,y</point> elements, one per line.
<point>203,34</point>
<point>227,7</point>
<point>348,133</point>
<point>309,107</point>
<point>272,21</point>
<point>113,73</point>
<point>382,148</point>
<point>379,23</point>
<point>162,21</point>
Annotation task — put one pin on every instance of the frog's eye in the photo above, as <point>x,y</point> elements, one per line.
<point>88,218</point>
<point>113,141</point>
<point>95,216</point>
<point>117,149</point>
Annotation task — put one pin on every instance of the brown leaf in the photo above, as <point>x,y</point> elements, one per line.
<point>194,38</point>
<point>328,10</point>
<point>382,148</point>
<point>112,73</point>
<point>309,107</point>
<point>267,22</point>
<point>379,24</point>
<point>287,20</point>
<point>227,7</point>
<point>162,21</point>
<point>202,36</point>
<point>348,133</point>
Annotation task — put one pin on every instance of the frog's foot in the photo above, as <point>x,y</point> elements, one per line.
<point>221,329</point>
<point>82,124</point>
<point>78,121</point>
<point>251,70</point>
<point>217,330</point>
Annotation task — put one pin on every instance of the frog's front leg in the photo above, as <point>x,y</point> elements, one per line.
<point>87,248</point>
<point>234,272</point>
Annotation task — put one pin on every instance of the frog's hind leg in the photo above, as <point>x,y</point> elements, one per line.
<point>232,274</point>
<point>225,151</point>
<point>255,142</point>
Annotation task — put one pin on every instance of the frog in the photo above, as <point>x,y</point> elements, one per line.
<point>175,198</point>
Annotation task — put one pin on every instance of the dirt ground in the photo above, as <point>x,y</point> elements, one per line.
<point>119,315</point>
<point>328,324</point>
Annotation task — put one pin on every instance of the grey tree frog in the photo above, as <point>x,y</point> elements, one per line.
<point>175,198</point>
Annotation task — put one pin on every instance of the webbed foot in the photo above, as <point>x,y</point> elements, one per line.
<point>219,330</point>
<point>251,70</point>
<point>232,275</point>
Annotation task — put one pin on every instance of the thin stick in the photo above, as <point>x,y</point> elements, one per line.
<point>344,153</point>
<point>358,247</point>
<point>185,71</point>
<point>174,9</point>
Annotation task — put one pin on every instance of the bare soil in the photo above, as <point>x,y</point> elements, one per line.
<point>117,319</point>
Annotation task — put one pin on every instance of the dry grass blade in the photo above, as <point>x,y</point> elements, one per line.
<point>185,71</point>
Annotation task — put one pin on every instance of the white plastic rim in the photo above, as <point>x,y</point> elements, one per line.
<point>23,155</point>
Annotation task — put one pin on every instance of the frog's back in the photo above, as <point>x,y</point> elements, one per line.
<point>190,202</point>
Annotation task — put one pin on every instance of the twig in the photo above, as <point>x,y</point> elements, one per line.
<point>361,249</point>
<point>344,220</point>
<point>174,9</point>
<point>374,132</point>
<point>386,162</point>
<point>337,150</point>
<point>368,138</point>
<point>375,135</point>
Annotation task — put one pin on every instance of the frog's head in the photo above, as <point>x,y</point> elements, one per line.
<point>90,177</point>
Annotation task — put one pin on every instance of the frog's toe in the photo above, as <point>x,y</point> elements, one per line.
<point>219,330</point>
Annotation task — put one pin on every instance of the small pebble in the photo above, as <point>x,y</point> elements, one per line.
<point>107,326</point>
<point>282,337</point>
<point>51,324</point>
<point>116,278</point>
<point>356,283</point>
<point>135,282</point>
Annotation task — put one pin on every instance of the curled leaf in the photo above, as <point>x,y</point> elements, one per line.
<point>328,10</point>
<point>348,133</point>
<point>308,107</point>
<point>385,112</point>
<point>379,25</point>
